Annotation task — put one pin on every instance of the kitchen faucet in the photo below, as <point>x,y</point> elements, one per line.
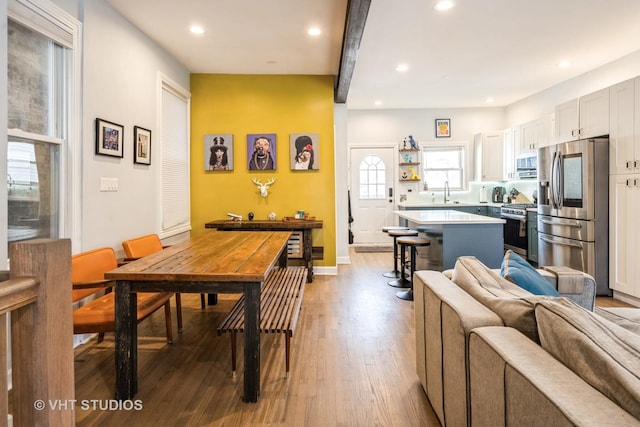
<point>446,192</point>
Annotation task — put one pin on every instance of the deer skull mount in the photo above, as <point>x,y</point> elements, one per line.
<point>264,188</point>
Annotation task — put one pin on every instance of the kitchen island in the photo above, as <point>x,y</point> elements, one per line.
<point>453,234</point>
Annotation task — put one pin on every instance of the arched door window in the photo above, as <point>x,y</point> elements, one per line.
<point>372,178</point>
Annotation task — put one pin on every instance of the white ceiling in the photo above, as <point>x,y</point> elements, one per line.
<point>505,49</point>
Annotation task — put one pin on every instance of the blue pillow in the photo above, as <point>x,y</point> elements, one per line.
<point>517,270</point>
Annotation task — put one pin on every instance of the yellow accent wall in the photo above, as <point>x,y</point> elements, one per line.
<point>272,104</point>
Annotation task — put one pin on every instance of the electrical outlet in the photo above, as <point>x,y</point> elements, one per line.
<point>108,184</point>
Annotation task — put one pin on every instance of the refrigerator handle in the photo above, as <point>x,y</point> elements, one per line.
<point>560,181</point>
<point>552,183</point>
<point>555,242</point>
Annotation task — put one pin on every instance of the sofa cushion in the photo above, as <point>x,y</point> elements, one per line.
<point>514,305</point>
<point>515,269</point>
<point>603,354</point>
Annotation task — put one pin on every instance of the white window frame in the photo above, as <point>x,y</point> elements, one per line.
<point>174,204</point>
<point>45,17</point>
<point>465,163</point>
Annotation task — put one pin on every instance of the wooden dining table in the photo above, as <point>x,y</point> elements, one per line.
<point>211,262</point>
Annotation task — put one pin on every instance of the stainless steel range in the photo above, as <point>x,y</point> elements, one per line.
<point>515,227</point>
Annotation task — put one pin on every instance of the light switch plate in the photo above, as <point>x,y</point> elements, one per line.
<point>108,184</point>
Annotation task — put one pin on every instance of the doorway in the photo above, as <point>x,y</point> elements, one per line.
<point>371,172</point>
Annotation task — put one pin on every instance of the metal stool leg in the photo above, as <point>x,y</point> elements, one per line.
<point>401,282</point>
<point>395,273</point>
<point>408,294</point>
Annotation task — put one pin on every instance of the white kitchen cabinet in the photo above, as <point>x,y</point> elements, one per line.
<point>533,135</point>
<point>584,117</point>
<point>624,123</point>
<point>624,234</point>
<point>489,155</point>
<point>511,140</point>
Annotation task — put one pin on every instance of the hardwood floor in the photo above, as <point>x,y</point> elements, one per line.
<point>353,363</point>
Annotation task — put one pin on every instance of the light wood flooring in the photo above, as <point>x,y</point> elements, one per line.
<point>353,363</point>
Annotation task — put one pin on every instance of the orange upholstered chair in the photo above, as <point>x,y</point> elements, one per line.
<point>142,246</point>
<point>98,315</point>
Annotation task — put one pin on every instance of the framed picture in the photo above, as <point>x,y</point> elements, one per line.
<point>141,145</point>
<point>109,138</point>
<point>304,151</point>
<point>443,128</point>
<point>218,152</point>
<point>261,150</point>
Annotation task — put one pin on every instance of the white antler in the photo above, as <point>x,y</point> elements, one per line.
<point>264,188</point>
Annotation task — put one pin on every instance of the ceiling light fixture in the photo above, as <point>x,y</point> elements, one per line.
<point>564,63</point>
<point>314,31</point>
<point>489,100</point>
<point>377,103</point>
<point>402,68</point>
<point>196,29</point>
<point>444,5</point>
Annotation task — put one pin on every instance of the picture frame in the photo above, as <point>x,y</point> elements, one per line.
<point>443,128</point>
<point>304,151</point>
<point>109,138</point>
<point>141,145</point>
<point>261,151</point>
<point>218,152</point>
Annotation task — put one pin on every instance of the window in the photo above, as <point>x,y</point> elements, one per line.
<point>176,213</point>
<point>372,178</point>
<point>442,163</point>
<point>38,81</point>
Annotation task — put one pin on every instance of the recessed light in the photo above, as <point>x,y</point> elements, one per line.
<point>444,5</point>
<point>314,31</point>
<point>377,103</point>
<point>489,100</point>
<point>402,68</point>
<point>564,63</point>
<point>196,29</point>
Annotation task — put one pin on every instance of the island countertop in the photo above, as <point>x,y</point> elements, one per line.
<point>444,217</point>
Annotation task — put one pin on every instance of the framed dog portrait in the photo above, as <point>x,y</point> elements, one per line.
<point>261,151</point>
<point>109,138</point>
<point>218,152</point>
<point>304,151</point>
<point>141,145</point>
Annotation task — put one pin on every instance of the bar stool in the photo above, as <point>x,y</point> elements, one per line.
<point>401,281</point>
<point>395,273</point>
<point>412,242</point>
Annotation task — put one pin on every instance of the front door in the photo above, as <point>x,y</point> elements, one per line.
<point>372,193</point>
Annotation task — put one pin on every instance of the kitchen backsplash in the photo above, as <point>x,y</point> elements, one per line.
<point>476,189</point>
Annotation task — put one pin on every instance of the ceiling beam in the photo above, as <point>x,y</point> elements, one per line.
<point>357,11</point>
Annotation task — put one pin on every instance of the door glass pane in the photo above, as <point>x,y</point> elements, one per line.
<point>372,178</point>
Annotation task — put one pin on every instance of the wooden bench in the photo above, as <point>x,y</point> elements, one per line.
<point>280,303</point>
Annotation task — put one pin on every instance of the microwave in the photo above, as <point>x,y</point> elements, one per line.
<point>527,165</point>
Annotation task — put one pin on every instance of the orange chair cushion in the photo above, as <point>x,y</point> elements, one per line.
<point>99,315</point>
<point>142,246</point>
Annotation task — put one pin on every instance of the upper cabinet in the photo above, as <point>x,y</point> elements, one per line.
<point>624,144</point>
<point>584,117</point>
<point>533,135</point>
<point>489,155</point>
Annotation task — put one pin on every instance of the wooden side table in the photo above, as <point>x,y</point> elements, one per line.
<point>304,227</point>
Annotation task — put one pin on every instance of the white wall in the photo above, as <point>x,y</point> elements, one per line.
<point>120,75</point>
<point>342,177</point>
<point>544,102</point>
<point>371,127</point>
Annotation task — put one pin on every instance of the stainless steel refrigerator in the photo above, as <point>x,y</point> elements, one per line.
<point>573,208</point>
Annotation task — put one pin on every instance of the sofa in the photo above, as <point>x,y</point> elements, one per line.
<point>490,353</point>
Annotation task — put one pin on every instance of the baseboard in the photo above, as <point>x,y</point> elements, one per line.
<point>325,271</point>
<point>629,299</point>
<point>343,260</point>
